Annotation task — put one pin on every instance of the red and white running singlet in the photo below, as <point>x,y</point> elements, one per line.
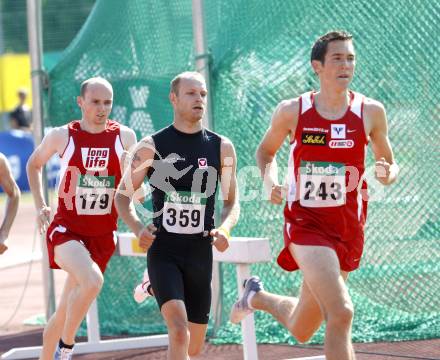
<point>90,173</point>
<point>325,178</point>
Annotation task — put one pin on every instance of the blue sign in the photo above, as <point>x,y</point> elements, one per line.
<point>17,146</point>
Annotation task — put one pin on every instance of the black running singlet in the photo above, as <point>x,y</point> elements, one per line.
<point>183,178</point>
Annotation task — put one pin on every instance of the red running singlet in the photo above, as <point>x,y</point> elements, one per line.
<point>326,202</point>
<point>90,173</point>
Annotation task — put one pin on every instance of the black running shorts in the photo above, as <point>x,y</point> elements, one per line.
<point>180,268</point>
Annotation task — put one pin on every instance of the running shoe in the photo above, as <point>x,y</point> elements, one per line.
<point>63,354</point>
<point>241,307</point>
<point>143,290</point>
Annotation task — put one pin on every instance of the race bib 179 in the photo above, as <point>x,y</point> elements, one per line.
<point>94,194</point>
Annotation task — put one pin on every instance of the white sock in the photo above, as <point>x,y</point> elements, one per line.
<point>249,299</point>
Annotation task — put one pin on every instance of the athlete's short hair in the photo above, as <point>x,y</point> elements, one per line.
<point>174,85</point>
<point>320,46</point>
<point>94,80</point>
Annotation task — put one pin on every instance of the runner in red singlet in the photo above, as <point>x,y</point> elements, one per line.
<point>80,239</point>
<point>326,199</point>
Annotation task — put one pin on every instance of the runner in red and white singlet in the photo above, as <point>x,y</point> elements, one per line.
<point>326,202</point>
<point>80,239</point>
<point>90,172</point>
<point>325,198</point>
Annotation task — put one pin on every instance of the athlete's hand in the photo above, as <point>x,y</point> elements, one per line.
<point>43,219</point>
<point>146,236</point>
<point>278,194</point>
<point>382,171</point>
<point>220,239</point>
<point>3,246</point>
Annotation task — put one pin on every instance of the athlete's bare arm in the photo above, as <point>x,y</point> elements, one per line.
<point>134,175</point>
<point>228,185</point>
<point>128,139</point>
<point>376,122</point>
<point>283,124</point>
<point>12,191</point>
<point>54,142</point>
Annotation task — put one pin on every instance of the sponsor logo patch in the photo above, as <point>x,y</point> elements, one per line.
<point>185,197</point>
<point>321,168</point>
<point>89,181</point>
<point>320,130</point>
<point>95,159</point>
<point>341,144</point>
<point>313,139</point>
<point>338,131</point>
<point>203,163</point>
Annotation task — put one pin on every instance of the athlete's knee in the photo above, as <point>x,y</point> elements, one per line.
<point>341,315</point>
<point>301,338</point>
<point>302,335</point>
<point>93,283</point>
<point>303,332</point>
<point>178,332</point>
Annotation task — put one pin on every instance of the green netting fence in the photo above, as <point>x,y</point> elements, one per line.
<point>259,56</point>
